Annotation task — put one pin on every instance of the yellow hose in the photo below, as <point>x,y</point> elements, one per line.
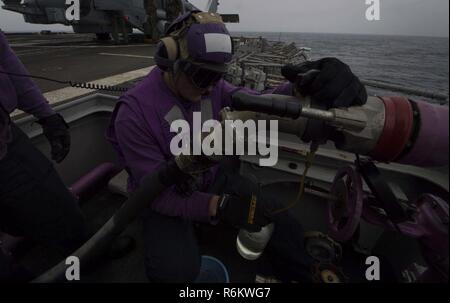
<point>309,161</point>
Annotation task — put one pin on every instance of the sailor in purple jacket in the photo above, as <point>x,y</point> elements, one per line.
<point>34,202</point>
<point>189,78</point>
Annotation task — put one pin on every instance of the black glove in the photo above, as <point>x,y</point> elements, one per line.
<point>56,132</point>
<point>328,81</point>
<point>242,206</point>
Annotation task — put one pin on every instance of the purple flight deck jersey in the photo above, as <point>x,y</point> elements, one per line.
<point>17,92</point>
<point>140,132</point>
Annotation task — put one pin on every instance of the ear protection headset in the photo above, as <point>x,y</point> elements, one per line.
<point>167,54</point>
<point>174,47</point>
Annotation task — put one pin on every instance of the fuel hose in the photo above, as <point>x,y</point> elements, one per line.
<point>150,188</point>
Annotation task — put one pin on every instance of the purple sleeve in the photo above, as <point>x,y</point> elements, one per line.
<point>29,97</point>
<point>229,89</point>
<point>284,89</point>
<point>142,156</point>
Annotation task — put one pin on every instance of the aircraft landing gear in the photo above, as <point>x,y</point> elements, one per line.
<point>120,30</point>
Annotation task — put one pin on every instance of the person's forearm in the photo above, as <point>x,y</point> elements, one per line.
<point>228,90</point>
<point>29,97</point>
<point>196,207</point>
<point>34,103</point>
<point>286,88</point>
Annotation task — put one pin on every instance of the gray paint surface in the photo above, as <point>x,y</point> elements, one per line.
<point>398,17</point>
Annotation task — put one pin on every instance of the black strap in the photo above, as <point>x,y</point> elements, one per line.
<point>163,62</point>
<point>382,191</point>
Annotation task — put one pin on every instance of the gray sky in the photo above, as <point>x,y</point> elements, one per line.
<point>398,17</point>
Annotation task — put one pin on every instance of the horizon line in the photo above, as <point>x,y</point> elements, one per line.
<point>340,33</point>
<point>253,31</point>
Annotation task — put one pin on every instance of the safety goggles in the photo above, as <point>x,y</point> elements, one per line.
<point>202,76</point>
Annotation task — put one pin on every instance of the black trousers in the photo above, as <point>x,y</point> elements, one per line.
<point>34,202</point>
<point>172,254</point>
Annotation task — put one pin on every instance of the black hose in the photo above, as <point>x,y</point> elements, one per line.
<point>267,105</point>
<point>83,85</point>
<point>151,187</point>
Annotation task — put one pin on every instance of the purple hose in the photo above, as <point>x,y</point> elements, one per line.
<point>94,180</point>
<point>431,145</point>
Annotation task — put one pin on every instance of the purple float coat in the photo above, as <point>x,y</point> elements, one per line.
<point>17,92</point>
<point>140,132</point>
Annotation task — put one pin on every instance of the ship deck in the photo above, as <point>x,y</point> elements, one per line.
<point>80,58</point>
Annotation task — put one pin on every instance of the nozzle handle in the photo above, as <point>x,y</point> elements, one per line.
<point>267,104</point>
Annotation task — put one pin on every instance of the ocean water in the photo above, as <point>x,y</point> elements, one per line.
<point>415,62</point>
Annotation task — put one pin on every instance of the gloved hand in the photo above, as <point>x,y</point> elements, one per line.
<point>242,206</point>
<point>329,82</point>
<point>56,132</point>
